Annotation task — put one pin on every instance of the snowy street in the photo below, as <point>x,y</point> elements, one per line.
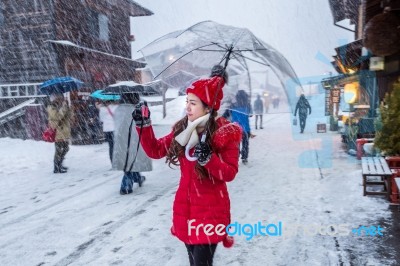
<point>79,218</point>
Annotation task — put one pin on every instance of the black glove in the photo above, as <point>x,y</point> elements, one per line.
<point>141,114</point>
<point>203,153</point>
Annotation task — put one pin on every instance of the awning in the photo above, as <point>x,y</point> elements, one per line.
<point>339,80</point>
<point>349,57</point>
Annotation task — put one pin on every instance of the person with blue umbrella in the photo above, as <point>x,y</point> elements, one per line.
<point>59,115</point>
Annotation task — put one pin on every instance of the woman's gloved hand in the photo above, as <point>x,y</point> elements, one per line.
<point>202,151</point>
<point>141,114</point>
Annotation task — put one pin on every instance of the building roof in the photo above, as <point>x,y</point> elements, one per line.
<point>345,9</point>
<point>137,10</point>
<point>71,44</point>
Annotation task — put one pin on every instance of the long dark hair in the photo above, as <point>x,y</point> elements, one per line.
<point>176,150</point>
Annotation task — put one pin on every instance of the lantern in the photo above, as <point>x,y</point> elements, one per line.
<point>350,92</point>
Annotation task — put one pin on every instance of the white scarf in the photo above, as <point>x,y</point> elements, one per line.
<point>189,137</point>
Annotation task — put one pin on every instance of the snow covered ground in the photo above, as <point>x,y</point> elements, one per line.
<point>79,218</point>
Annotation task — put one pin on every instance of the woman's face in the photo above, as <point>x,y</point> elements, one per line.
<point>194,107</point>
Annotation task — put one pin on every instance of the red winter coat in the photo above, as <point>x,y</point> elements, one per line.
<point>204,200</point>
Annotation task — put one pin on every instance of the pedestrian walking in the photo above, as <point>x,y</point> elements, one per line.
<point>59,115</point>
<point>128,155</point>
<point>106,115</point>
<point>240,112</point>
<point>202,196</point>
<point>304,108</point>
<point>258,110</point>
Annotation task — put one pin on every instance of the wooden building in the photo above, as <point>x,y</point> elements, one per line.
<point>41,39</point>
<point>369,65</point>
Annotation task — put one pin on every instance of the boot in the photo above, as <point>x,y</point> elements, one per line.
<point>62,166</point>
<point>126,184</point>
<point>58,169</point>
<point>141,180</point>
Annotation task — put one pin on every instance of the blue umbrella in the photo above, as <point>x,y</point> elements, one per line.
<point>60,85</point>
<point>105,97</point>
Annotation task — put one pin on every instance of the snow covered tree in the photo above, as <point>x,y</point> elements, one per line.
<point>388,138</point>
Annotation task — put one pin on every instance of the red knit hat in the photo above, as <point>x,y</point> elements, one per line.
<point>206,90</point>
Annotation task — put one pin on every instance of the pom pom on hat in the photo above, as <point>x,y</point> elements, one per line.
<point>228,241</point>
<point>209,90</point>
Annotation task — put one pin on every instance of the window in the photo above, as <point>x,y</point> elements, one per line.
<point>103,27</point>
<point>98,25</point>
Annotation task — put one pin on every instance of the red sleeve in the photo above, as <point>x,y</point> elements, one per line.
<point>154,148</point>
<point>224,164</point>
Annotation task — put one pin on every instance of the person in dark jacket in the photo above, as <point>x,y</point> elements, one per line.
<point>259,110</point>
<point>304,108</point>
<point>202,196</point>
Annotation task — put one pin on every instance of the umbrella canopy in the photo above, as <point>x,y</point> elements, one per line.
<point>151,88</point>
<point>105,97</point>
<point>60,85</point>
<point>199,47</point>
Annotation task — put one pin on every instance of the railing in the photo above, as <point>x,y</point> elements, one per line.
<point>14,112</point>
<point>22,90</point>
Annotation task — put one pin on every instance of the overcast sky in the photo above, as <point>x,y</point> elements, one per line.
<point>299,29</point>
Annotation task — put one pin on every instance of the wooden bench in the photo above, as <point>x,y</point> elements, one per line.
<point>376,167</point>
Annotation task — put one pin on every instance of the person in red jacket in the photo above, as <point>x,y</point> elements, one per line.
<point>202,199</point>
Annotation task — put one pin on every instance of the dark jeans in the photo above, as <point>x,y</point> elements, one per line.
<point>245,145</point>
<point>128,180</point>
<point>62,147</point>
<point>260,120</point>
<point>302,123</point>
<point>201,255</point>
<point>109,137</point>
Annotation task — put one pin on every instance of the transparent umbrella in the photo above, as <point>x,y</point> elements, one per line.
<point>196,49</point>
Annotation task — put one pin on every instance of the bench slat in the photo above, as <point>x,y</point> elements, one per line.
<point>375,166</point>
<point>385,166</point>
<point>378,165</point>
<point>364,165</point>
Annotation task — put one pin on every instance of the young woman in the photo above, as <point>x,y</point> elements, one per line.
<point>202,196</point>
